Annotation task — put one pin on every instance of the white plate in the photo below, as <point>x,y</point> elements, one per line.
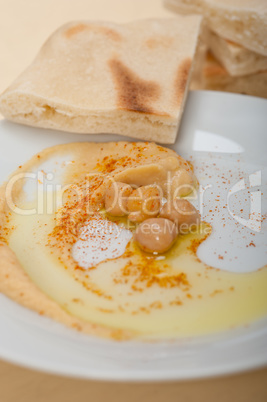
<point>226,128</point>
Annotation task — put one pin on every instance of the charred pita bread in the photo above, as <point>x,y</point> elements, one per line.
<point>100,77</point>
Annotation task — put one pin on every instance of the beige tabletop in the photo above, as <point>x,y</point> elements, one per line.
<point>24,27</point>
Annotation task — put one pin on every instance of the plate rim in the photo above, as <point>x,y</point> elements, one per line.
<point>140,376</point>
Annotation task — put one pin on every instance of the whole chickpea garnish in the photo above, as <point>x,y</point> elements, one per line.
<point>182,213</point>
<point>156,235</point>
<point>144,203</point>
<point>179,183</point>
<point>116,198</point>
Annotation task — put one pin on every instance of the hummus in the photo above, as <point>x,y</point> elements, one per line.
<point>59,259</point>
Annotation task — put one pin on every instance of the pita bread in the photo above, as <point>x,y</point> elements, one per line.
<point>100,77</point>
<point>200,58</point>
<point>235,58</point>
<point>242,21</point>
<point>215,77</point>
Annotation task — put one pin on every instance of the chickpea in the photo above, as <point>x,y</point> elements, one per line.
<point>156,235</point>
<point>182,213</point>
<point>170,163</point>
<point>179,183</point>
<point>116,198</point>
<point>144,203</point>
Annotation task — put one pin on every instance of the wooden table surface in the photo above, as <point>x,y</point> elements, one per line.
<point>24,27</point>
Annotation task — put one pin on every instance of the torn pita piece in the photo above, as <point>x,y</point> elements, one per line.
<point>215,77</point>
<point>100,77</point>
<point>242,21</point>
<point>235,58</point>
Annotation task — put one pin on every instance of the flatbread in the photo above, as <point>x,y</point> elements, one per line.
<point>242,21</point>
<point>215,77</point>
<point>235,58</point>
<point>100,77</point>
<point>200,59</point>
